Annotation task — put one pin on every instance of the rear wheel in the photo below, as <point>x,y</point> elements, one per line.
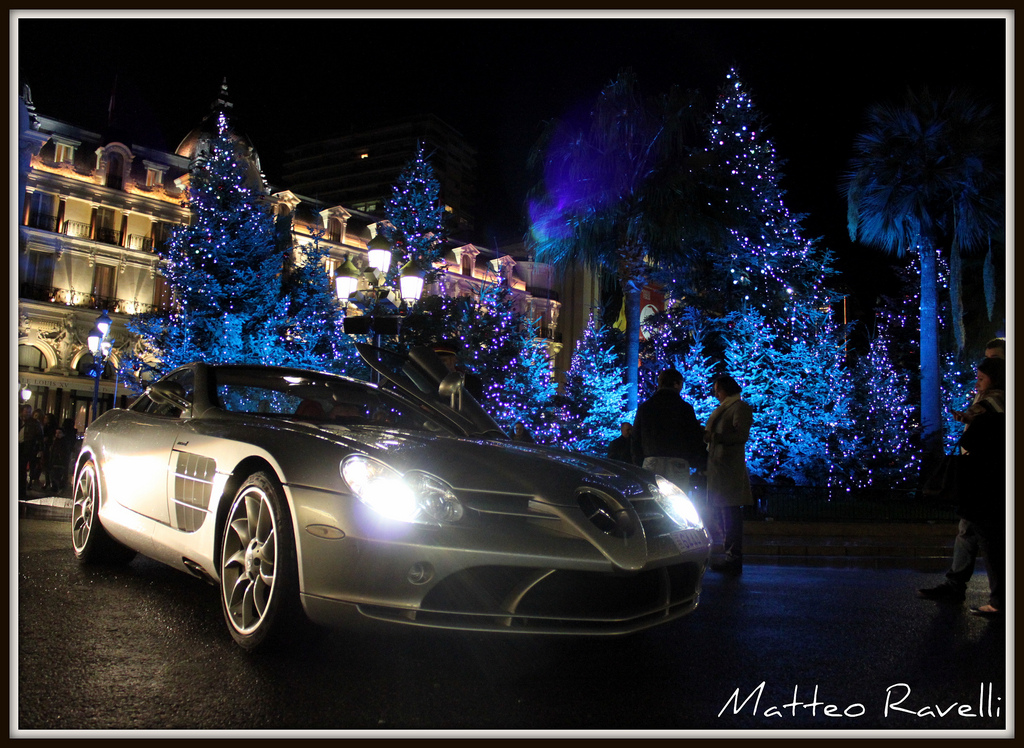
<point>91,542</point>
<point>258,571</point>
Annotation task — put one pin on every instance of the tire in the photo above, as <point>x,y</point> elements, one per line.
<point>258,569</point>
<point>91,542</point>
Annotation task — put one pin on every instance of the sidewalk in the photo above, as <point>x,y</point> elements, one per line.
<point>916,546</point>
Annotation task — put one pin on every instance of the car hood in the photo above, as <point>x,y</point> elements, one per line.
<point>494,467</point>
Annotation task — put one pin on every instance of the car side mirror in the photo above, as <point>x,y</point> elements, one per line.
<point>170,393</point>
<point>452,386</point>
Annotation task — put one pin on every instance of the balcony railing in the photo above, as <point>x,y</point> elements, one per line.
<point>44,222</point>
<point>83,230</point>
<point>108,236</point>
<point>77,229</point>
<point>141,243</point>
<point>67,297</point>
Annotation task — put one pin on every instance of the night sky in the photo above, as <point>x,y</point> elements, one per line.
<point>497,80</point>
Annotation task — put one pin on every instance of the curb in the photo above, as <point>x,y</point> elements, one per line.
<point>49,507</point>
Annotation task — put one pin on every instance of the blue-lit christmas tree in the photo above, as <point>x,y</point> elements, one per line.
<point>595,394</point>
<point>243,293</point>
<point>416,218</point>
<point>526,392</point>
<point>770,267</point>
<point>314,336</point>
<point>885,419</point>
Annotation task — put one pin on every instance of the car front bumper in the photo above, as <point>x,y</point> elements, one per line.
<point>528,575</point>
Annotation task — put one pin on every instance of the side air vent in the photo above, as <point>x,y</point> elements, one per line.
<point>610,515</point>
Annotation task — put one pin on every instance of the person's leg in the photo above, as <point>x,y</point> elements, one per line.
<point>965,554</point>
<point>993,545</point>
<point>734,531</point>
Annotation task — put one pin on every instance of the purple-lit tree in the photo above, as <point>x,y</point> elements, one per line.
<point>526,390</point>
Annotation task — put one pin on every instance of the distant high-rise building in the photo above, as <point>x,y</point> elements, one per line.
<point>358,170</point>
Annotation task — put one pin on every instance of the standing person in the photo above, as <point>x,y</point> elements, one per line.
<point>981,494</point>
<point>621,447</point>
<point>996,348</point>
<point>29,433</point>
<point>49,432</point>
<point>666,433</point>
<point>726,434</point>
<point>522,434</point>
<point>37,452</point>
<point>57,467</point>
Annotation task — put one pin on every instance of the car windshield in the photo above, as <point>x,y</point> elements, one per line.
<point>306,396</point>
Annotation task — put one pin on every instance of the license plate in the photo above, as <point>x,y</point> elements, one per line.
<point>690,540</point>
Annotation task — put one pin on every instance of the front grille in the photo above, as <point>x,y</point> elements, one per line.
<point>510,599</point>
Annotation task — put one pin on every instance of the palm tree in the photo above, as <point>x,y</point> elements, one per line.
<point>621,192</point>
<point>925,175</point>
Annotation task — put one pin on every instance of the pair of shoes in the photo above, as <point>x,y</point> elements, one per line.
<point>731,565</point>
<point>990,613</point>
<point>944,592</point>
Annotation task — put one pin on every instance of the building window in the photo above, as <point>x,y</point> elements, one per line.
<point>30,358</point>
<point>154,174</point>
<point>161,293</point>
<point>115,171</point>
<point>65,153</point>
<point>104,282</point>
<point>161,234</point>
<point>334,230</point>
<point>42,212</point>
<point>39,269</point>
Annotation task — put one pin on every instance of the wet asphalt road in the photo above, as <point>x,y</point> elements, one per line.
<point>144,647</point>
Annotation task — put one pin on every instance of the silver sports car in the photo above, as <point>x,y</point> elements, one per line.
<point>313,498</point>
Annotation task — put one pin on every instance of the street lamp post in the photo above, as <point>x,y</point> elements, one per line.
<point>381,306</point>
<point>99,345</point>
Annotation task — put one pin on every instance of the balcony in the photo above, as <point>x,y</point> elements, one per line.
<point>140,243</point>
<point>66,297</point>
<point>108,236</point>
<point>43,222</point>
<point>81,230</point>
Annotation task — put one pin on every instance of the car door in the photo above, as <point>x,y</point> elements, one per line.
<point>137,455</point>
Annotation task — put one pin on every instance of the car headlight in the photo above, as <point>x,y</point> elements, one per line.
<point>414,497</point>
<point>676,504</point>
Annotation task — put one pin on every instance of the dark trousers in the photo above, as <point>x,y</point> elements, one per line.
<point>732,527</point>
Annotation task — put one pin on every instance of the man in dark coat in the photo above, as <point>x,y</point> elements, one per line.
<point>666,435</point>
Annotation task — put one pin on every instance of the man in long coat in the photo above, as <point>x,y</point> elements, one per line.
<point>726,434</point>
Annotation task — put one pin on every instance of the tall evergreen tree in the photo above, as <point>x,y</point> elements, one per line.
<point>242,293</point>
<point>526,391</point>
<point>768,266</point>
<point>595,395</point>
<point>884,414</point>
<point>416,217</point>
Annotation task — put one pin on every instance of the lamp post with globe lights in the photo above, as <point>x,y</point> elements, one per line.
<point>381,306</point>
<point>100,343</point>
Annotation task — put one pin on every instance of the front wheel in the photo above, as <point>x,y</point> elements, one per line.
<point>91,542</point>
<point>258,571</point>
